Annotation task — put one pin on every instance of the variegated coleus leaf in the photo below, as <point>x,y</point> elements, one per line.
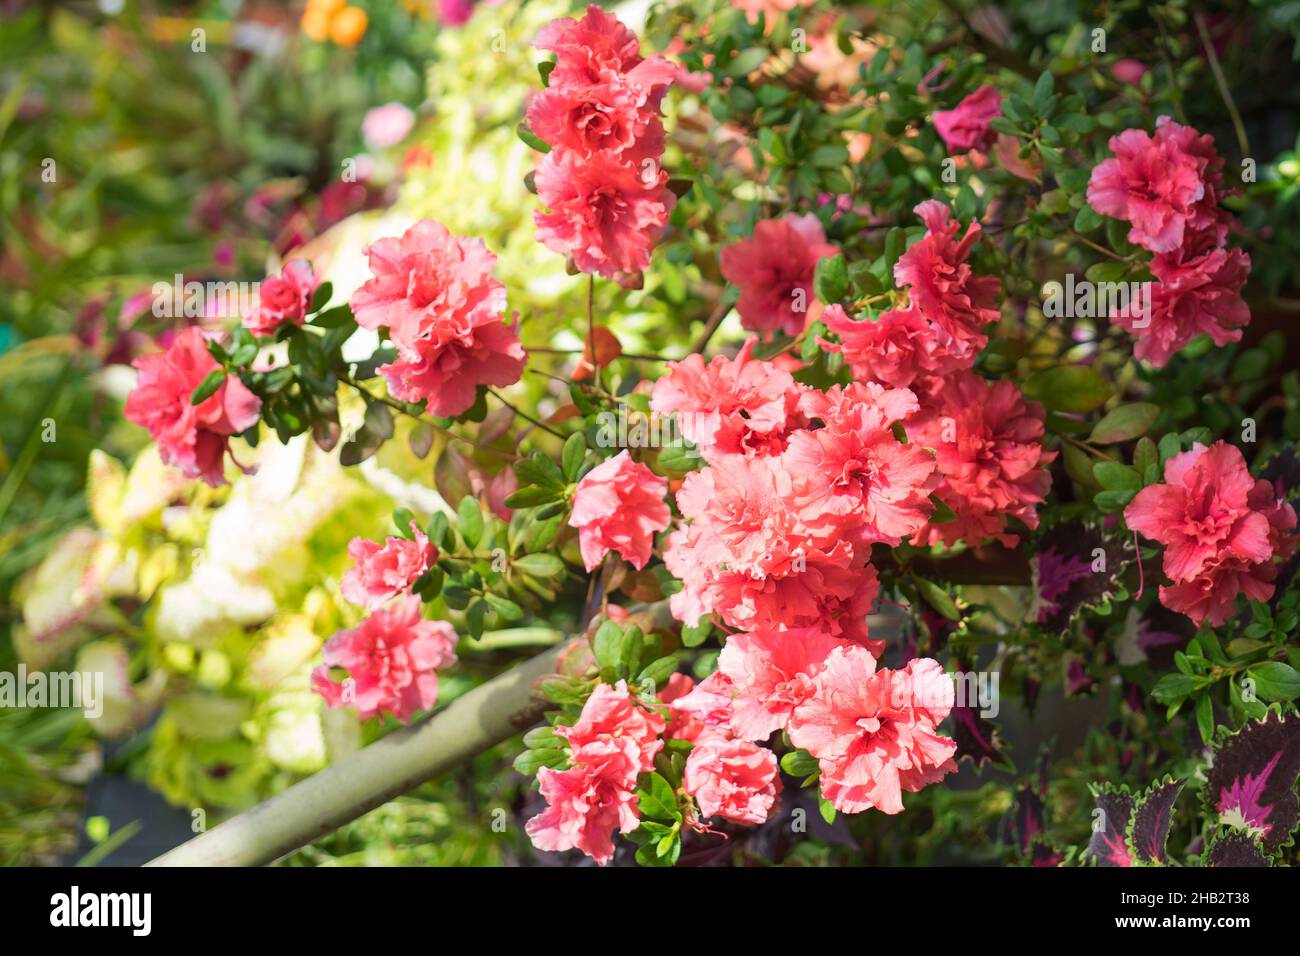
<point>976,737</point>
<point>1251,784</point>
<point>1111,816</point>
<point>1131,829</point>
<point>1233,848</point>
<point>1075,567</point>
<point>1150,826</point>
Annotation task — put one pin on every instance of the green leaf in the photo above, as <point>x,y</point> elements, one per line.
<point>800,763</point>
<point>208,387</point>
<point>1145,456</point>
<point>1205,717</point>
<point>402,521</point>
<point>679,458</point>
<point>471,521</point>
<point>831,279</point>
<point>1275,681</point>
<point>659,671</point>
<point>658,802</point>
<point>1068,388</point>
<point>324,292</point>
<point>539,565</point>
<point>938,598</point>
<point>575,448</point>
<point>697,635</point>
<point>747,61</point>
<point>530,761</point>
<point>506,609</point>
<point>1114,476</point>
<point>1124,423</point>
<point>827,811</point>
<point>532,139</point>
<point>1174,688</point>
<point>606,645</point>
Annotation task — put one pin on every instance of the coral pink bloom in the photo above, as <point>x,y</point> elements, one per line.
<point>613,741</point>
<point>1161,185</point>
<point>941,283</point>
<point>966,127</point>
<point>1212,594</point>
<point>1201,513</point>
<point>1201,295</point>
<point>387,125</point>
<point>695,710</point>
<point>586,804</point>
<point>193,438</point>
<point>730,406</point>
<point>774,271</point>
<point>606,212</point>
<point>856,466</point>
<point>769,673</point>
<point>606,117</point>
<point>757,555</point>
<point>1129,71</point>
<point>392,659</point>
<point>592,50</point>
<point>897,347</point>
<point>612,713</point>
<point>732,779</point>
<point>436,295</point>
<point>619,506</point>
<point>991,460</point>
<point>772,8</point>
<point>1221,528</point>
<point>874,732</point>
<point>381,572</point>
<point>283,298</point>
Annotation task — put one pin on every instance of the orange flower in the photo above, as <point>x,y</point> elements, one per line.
<point>348,26</point>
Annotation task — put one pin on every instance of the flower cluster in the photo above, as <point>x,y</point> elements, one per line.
<point>774,271</point>
<point>1223,531</point>
<point>602,180</point>
<point>381,572</point>
<point>941,329</point>
<point>619,506</point>
<point>194,438</point>
<point>282,299</point>
<point>614,741</point>
<point>444,312</point>
<point>1167,186</point>
<point>392,659</point>
<point>991,462</point>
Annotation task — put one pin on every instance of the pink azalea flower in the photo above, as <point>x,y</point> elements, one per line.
<point>392,659</point>
<point>854,464</point>
<point>436,295</point>
<point>730,406</point>
<point>774,271</point>
<point>990,455</point>
<point>1202,295</point>
<point>897,347</point>
<point>381,572</point>
<point>283,298</point>
<point>455,13</point>
<point>874,732</point>
<point>732,779</point>
<point>609,117</point>
<point>1129,71</point>
<point>758,555</point>
<point>966,127</point>
<point>941,283</point>
<point>1221,528</point>
<point>590,50</point>
<point>386,125</point>
<point>1162,185</point>
<point>614,740</point>
<point>605,212</point>
<point>695,709</point>
<point>769,673</point>
<point>193,438</point>
<point>619,506</point>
